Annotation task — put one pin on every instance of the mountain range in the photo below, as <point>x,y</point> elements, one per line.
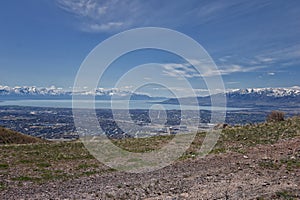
<point>251,97</point>
<point>32,92</point>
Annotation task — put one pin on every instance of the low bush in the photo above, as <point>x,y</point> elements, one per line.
<point>275,116</point>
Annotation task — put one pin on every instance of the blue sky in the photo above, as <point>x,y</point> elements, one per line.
<point>254,43</point>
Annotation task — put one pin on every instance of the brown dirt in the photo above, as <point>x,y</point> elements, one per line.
<point>262,172</point>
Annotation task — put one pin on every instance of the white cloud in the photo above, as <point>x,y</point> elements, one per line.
<point>85,8</point>
<point>265,59</point>
<point>225,58</point>
<point>232,82</point>
<point>147,78</point>
<point>102,10</point>
<point>271,73</point>
<point>93,15</point>
<point>104,27</point>
<point>186,70</point>
<point>180,70</point>
<point>238,68</point>
<point>285,56</point>
<point>99,16</point>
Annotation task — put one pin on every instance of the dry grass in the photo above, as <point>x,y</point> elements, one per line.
<point>12,137</point>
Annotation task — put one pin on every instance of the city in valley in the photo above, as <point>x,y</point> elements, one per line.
<point>58,123</point>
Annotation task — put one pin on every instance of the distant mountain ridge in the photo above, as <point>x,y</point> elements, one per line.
<point>31,90</point>
<point>249,98</point>
<point>28,92</point>
<point>275,92</point>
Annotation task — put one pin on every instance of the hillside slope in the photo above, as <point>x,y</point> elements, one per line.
<point>259,161</point>
<point>12,137</point>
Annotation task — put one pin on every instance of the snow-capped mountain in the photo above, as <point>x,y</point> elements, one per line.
<point>31,90</point>
<point>264,97</point>
<point>271,92</point>
<point>7,92</point>
<point>251,98</point>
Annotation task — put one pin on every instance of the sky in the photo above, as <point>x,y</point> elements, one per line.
<point>253,43</point>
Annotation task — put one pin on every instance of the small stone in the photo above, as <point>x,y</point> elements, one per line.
<point>184,195</point>
<point>265,184</point>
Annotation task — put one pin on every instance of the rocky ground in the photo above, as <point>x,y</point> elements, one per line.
<point>268,171</point>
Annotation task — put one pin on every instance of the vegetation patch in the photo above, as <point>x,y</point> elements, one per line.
<point>86,166</point>
<point>2,186</point>
<point>240,137</point>
<point>291,164</point>
<point>43,164</point>
<point>24,178</point>
<point>141,145</point>
<point>3,166</point>
<point>269,164</point>
<point>285,195</point>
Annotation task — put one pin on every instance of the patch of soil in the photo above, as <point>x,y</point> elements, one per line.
<point>262,172</point>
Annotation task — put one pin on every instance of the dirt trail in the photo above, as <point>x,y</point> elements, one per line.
<point>258,173</point>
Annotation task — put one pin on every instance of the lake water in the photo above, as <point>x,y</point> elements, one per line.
<point>105,104</point>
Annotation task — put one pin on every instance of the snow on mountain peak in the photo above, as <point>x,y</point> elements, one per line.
<point>55,91</point>
<point>275,92</point>
<point>30,90</point>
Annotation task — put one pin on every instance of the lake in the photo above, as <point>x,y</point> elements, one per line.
<point>106,104</point>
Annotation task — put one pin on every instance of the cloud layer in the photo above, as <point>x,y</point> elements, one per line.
<point>100,16</point>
